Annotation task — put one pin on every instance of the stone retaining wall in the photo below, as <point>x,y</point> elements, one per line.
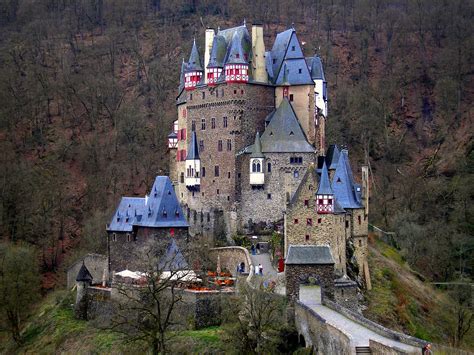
<point>230,257</point>
<point>382,349</point>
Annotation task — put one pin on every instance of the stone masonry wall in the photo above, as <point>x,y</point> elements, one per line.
<point>300,274</point>
<point>360,223</point>
<point>129,252</point>
<point>268,203</point>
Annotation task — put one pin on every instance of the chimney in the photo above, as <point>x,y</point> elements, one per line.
<point>207,52</point>
<point>365,188</point>
<point>258,50</point>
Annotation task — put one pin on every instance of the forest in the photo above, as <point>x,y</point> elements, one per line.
<point>87,98</point>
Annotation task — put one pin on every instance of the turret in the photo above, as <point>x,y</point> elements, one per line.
<point>258,50</point>
<point>320,86</point>
<point>325,194</point>
<point>83,281</point>
<point>237,65</point>
<point>193,72</point>
<point>207,51</point>
<point>193,164</point>
<point>257,177</point>
<point>173,136</point>
<point>216,60</point>
<point>365,188</point>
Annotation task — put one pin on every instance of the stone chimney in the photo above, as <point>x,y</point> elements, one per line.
<point>365,188</point>
<point>258,50</point>
<point>207,52</point>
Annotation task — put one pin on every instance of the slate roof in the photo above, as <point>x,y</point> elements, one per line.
<point>343,184</point>
<point>84,275</point>
<point>236,51</point>
<point>324,184</point>
<point>309,255</point>
<point>172,135</point>
<point>279,49</point>
<point>237,41</point>
<point>193,151</point>
<point>161,209</point>
<point>173,259</point>
<point>218,52</point>
<point>310,174</point>
<point>194,62</point>
<point>317,72</point>
<point>332,156</point>
<point>283,133</point>
<point>257,147</point>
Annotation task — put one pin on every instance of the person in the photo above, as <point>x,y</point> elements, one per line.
<point>252,249</point>
<point>242,267</point>
<point>238,269</point>
<point>260,269</point>
<point>427,350</point>
<point>258,248</point>
<point>257,269</point>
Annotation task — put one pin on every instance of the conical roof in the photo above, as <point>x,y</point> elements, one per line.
<point>84,275</point>
<point>324,184</point>
<point>257,147</point>
<point>218,51</point>
<point>317,72</point>
<point>194,62</point>
<point>332,156</point>
<point>193,151</point>
<point>343,183</point>
<point>236,52</point>
<point>181,76</point>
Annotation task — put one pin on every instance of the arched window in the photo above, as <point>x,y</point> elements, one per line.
<point>254,167</point>
<point>258,167</point>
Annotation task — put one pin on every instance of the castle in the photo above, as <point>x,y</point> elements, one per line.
<point>249,147</point>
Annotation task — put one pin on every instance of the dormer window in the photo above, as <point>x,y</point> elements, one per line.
<point>291,133</point>
<point>274,61</point>
<point>293,48</point>
<point>126,220</point>
<point>118,219</point>
<point>165,214</point>
<point>237,55</point>
<point>176,213</point>
<point>299,71</point>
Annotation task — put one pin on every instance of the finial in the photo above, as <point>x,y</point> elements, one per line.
<point>245,22</point>
<point>218,28</point>
<point>293,25</point>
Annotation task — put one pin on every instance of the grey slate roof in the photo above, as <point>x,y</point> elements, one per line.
<point>324,184</point>
<point>343,185</point>
<point>173,259</point>
<point>193,151</point>
<point>332,156</point>
<point>237,40</point>
<point>317,72</point>
<point>284,133</point>
<point>309,255</point>
<point>194,62</point>
<point>279,49</point>
<point>294,77</point>
<point>257,148</point>
<point>84,275</point>
<point>218,52</point>
<point>236,52</point>
<point>161,209</point>
<point>172,135</point>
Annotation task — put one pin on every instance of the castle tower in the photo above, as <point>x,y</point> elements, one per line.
<point>257,177</point>
<point>209,39</point>
<point>83,281</point>
<point>193,71</point>
<point>325,195</point>
<point>216,60</point>
<point>258,50</point>
<point>237,65</point>
<point>172,147</point>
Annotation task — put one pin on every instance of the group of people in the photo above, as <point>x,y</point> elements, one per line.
<point>259,269</point>
<point>255,249</point>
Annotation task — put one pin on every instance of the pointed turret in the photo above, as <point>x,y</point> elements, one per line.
<point>325,194</point>
<point>193,164</point>
<point>257,147</point>
<point>193,71</point>
<point>257,177</point>
<point>216,60</point>
<point>84,275</point>
<point>237,66</point>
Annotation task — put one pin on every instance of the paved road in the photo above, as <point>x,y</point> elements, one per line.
<point>310,296</point>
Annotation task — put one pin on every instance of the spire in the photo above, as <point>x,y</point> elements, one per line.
<point>236,53</point>
<point>84,275</point>
<point>324,185</point>
<point>193,151</point>
<point>194,62</point>
<point>257,147</point>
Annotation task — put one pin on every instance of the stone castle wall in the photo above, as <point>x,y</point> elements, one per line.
<point>301,274</point>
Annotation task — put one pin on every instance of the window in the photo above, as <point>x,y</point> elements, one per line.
<point>299,71</point>
<point>306,237</point>
<point>291,97</point>
<point>293,48</point>
<point>296,221</point>
<point>128,238</point>
<point>228,174</point>
<point>193,125</point>
<point>347,224</point>
<point>229,144</point>
<point>208,217</point>
<point>269,167</point>
<point>201,145</point>
<point>256,167</point>
<point>224,121</point>
<point>114,237</point>
<point>216,170</point>
<point>309,221</point>
<point>191,96</point>
<point>218,191</point>
<point>213,122</point>
<point>296,160</point>
<point>235,92</point>
<point>203,124</point>
<point>219,145</point>
<point>360,220</point>
<point>296,174</point>
<point>242,91</point>
<point>202,193</point>
<point>269,196</point>
<point>274,61</point>
<point>182,178</point>
<point>203,95</point>
<point>203,173</point>
<point>319,220</point>
<point>237,55</point>
<point>360,242</point>
<point>306,203</point>
<point>228,198</point>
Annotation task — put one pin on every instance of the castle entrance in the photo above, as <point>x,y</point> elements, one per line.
<point>310,294</point>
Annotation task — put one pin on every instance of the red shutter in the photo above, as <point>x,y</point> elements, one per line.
<point>184,133</point>
<point>179,135</point>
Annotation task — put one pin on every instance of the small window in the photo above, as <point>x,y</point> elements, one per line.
<point>319,220</point>
<point>338,179</point>
<point>269,167</point>
<point>242,92</point>
<point>128,238</point>
<point>228,175</point>
<point>229,144</point>
<point>291,133</point>
<point>296,174</point>
<point>293,48</point>
<point>296,221</point>
<point>299,71</point>
<point>306,237</point>
<point>237,55</point>
<point>216,170</point>
<point>309,221</point>
<point>182,178</point>
<point>114,237</point>
<point>291,97</point>
<point>235,92</point>
<point>203,171</point>
<point>359,219</point>
<point>306,203</point>
<point>347,224</point>
<point>274,61</point>
<point>224,122</point>
<point>208,217</point>
<point>360,242</point>
<point>219,145</point>
<point>213,122</point>
<point>269,196</point>
<point>203,95</point>
<point>218,191</point>
<point>202,194</point>
<point>203,124</point>
<point>191,97</point>
<point>201,145</point>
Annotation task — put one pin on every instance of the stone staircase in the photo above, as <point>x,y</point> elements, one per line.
<point>363,350</point>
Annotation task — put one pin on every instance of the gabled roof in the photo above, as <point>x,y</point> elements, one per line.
<point>324,187</point>
<point>284,133</point>
<point>292,72</point>
<point>193,151</point>
<point>309,255</point>
<point>257,147</point>
<point>173,259</point>
<point>160,209</point>
<point>343,185</point>
<point>172,135</point>
<point>218,52</point>
<point>84,275</point>
<point>279,49</point>
<point>194,62</point>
